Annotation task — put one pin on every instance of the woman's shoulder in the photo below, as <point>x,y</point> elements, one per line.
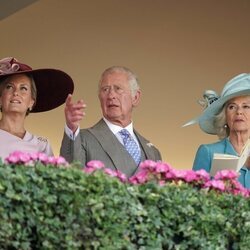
<point>215,146</point>
<point>42,139</point>
<point>36,138</point>
<point>40,143</point>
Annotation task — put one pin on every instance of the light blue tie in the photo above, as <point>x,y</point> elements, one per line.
<point>131,146</point>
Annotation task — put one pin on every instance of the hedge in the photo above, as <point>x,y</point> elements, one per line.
<point>48,204</point>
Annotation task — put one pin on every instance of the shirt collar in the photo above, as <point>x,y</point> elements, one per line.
<point>115,128</point>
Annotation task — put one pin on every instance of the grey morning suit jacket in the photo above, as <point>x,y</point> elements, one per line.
<point>99,143</point>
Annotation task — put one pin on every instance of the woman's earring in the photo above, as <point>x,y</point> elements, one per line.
<point>225,126</point>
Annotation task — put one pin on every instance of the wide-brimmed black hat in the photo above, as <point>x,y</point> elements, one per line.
<point>53,85</point>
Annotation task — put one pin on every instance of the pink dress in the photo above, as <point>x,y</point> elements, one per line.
<point>30,144</point>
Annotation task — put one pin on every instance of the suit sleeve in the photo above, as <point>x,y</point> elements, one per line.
<point>72,150</point>
<point>158,155</point>
<point>203,159</point>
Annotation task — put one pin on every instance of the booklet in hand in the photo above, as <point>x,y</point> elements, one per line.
<point>230,162</point>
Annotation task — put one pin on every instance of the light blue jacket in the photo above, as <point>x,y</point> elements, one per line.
<point>204,157</point>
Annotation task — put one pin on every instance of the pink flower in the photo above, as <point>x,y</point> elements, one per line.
<point>190,176</point>
<point>25,158</point>
<point>202,175</point>
<point>88,170</point>
<point>92,166</point>
<point>233,186</point>
<point>133,180</point>
<point>215,184</point>
<point>226,175</point>
<point>162,183</point>
<point>12,159</point>
<point>95,164</point>
<point>236,184</point>
<point>170,175</point>
<point>178,174</point>
<point>57,161</point>
<point>34,156</point>
<point>140,178</point>
<point>148,164</point>
<point>122,177</point>
<point>162,167</point>
<point>18,157</point>
<point>116,173</point>
<point>245,192</point>
<point>110,172</point>
<point>43,158</point>
<point>61,161</point>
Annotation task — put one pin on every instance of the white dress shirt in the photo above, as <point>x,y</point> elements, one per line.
<point>114,128</point>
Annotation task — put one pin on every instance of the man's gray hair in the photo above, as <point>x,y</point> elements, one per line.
<point>132,78</point>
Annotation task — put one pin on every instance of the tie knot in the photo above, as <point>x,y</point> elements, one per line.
<point>124,133</point>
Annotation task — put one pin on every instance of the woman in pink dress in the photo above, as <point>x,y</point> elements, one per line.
<point>23,91</point>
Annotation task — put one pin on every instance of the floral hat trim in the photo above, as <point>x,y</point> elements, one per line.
<point>213,103</point>
<point>53,85</point>
<point>9,65</point>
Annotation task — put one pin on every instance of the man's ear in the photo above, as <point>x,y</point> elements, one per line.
<point>136,98</point>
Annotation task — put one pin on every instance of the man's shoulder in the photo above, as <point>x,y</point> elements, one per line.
<point>145,141</point>
<point>99,126</point>
<point>141,137</point>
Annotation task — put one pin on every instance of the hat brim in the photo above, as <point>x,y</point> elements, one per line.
<point>206,120</point>
<point>53,87</point>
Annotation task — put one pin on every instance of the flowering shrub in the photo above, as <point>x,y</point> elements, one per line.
<point>46,203</point>
<point>31,159</point>
<point>162,173</point>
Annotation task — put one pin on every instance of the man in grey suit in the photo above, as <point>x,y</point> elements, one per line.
<point>119,93</point>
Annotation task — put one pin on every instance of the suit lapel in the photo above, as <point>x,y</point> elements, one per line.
<point>110,144</point>
<point>145,146</point>
<point>229,149</point>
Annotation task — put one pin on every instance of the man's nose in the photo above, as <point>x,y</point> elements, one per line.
<point>111,92</point>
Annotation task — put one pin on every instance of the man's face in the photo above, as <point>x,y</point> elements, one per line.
<point>116,98</point>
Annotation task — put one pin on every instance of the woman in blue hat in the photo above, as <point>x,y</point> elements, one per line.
<point>228,117</point>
